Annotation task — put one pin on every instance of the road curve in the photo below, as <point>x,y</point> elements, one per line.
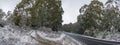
<point>91,41</point>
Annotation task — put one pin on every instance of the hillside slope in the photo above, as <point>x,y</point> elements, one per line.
<point>13,35</point>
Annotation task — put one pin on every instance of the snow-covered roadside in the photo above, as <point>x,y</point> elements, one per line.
<point>109,36</point>
<point>17,36</point>
<point>113,37</point>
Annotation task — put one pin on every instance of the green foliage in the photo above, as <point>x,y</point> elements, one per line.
<point>91,17</point>
<point>16,19</point>
<point>67,27</point>
<point>1,13</point>
<point>74,28</point>
<point>109,1</point>
<point>47,13</point>
<point>111,20</point>
<point>95,19</point>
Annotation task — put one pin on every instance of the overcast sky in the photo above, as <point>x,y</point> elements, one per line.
<point>70,7</point>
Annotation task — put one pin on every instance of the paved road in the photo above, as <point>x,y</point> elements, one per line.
<point>91,41</point>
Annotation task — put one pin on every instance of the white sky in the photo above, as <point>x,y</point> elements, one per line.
<point>8,5</point>
<point>70,7</point>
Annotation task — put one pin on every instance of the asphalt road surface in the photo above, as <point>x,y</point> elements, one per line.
<point>91,41</point>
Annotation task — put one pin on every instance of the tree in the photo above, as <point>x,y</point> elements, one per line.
<point>92,17</point>
<point>43,13</point>
<point>111,20</point>
<point>56,11</point>
<point>96,18</point>
<point>2,22</point>
<point>67,27</point>
<point>49,14</point>
<point>1,13</point>
<point>22,13</point>
<point>80,22</point>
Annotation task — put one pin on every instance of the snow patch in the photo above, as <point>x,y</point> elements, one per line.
<point>16,36</point>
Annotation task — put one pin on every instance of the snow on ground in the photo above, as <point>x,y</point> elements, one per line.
<point>43,35</point>
<point>113,37</point>
<point>13,35</point>
<point>108,36</point>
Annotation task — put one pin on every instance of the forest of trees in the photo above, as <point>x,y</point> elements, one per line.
<point>38,13</point>
<point>95,18</point>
